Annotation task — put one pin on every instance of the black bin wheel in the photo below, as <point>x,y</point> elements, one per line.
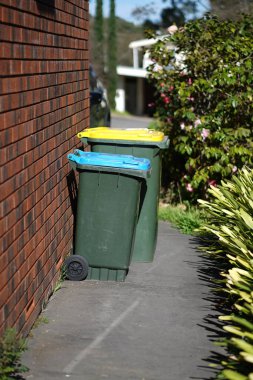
<point>76,268</point>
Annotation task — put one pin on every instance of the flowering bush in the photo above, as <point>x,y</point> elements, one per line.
<point>204,102</point>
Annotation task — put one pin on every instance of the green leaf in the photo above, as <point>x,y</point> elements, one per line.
<point>241,344</point>
<point>234,330</point>
<point>247,218</point>
<point>234,103</point>
<point>233,375</point>
<point>247,357</point>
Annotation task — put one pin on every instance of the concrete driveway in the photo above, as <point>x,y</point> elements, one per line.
<point>123,122</point>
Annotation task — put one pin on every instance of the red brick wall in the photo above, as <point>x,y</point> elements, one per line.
<point>44,103</point>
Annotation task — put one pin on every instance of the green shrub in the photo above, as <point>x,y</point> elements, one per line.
<point>205,103</point>
<point>230,220</point>
<point>11,349</point>
<point>187,220</point>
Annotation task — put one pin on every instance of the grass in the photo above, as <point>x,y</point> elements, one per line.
<point>154,124</point>
<point>186,219</point>
<point>11,349</point>
<point>117,113</point>
<point>40,320</point>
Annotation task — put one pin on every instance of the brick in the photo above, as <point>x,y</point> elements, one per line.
<point>44,102</point>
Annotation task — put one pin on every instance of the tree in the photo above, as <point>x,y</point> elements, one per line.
<point>112,55</point>
<point>172,15</point>
<point>177,12</point>
<point>98,51</point>
<point>231,8</point>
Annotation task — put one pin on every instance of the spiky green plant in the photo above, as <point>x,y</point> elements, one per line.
<point>11,349</point>
<point>231,221</point>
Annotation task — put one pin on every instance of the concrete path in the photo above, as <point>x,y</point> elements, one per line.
<point>157,325</point>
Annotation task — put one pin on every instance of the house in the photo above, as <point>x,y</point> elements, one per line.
<point>134,92</point>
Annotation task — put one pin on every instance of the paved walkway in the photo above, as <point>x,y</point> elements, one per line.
<point>123,122</point>
<point>157,325</point>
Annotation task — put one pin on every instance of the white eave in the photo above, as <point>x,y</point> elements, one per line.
<point>142,43</point>
<point>146,42</point>
<point>131,72</point>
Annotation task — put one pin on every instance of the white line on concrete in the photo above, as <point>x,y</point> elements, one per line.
<point>69,368</point>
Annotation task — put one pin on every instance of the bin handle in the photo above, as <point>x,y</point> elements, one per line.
<point>130,163</point>
<point>72,162</point>
<point>77,153</point>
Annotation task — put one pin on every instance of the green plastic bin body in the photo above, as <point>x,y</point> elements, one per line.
<point>146,230</point>
<point>107,211</point>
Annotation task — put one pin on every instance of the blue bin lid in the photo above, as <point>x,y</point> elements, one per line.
<point>121,161</point>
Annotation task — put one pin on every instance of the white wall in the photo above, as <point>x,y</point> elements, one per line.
<point>120,98</point>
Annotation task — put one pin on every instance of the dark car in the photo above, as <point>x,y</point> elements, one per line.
<point>100,114</point>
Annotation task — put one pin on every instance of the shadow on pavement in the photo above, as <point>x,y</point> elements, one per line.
<point>208,272</point>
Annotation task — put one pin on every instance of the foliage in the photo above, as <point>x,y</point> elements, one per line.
<point>186,219</point>
<point>98,52</point>
<point>154,124</point>
<point>203,77</point>
<point>11,349</point>
<point>231,8</point>
<point>119,113</point>
<point>112,55</point>
<point>126,33</point>
<point>41,319</point>
<point>61,279</point>
<point>99,20</point>
<point>177,12</point>
<point>231,221</point>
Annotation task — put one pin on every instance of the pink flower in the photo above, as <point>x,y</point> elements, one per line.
<point>190,81</point>
<point>172,29</point>
<point>189,187</point>
<point>205,133</point>
<point>163,95</point>
<point>171,88</point>
<point>166,100</point>
<point>212,182</point>
<point>197,122</point>
<point>235,168</point>
<point>162,84</point>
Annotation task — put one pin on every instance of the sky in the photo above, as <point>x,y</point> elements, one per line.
<point>124,8</point>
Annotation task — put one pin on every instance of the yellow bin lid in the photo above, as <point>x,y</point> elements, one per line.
<point>105,133</point>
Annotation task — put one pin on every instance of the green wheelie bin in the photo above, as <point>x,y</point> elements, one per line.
<point>139,143</point>
<point>107,210</point>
